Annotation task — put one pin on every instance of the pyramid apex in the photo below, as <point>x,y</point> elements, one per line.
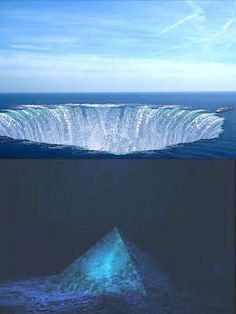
<point>115,229</point>
<point>117,232</point>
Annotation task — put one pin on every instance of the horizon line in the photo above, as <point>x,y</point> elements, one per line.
<point>114,92</point>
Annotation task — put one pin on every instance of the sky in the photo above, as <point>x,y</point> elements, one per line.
<point>117,46</point>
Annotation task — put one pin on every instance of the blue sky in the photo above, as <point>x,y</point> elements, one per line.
<point>86,46</point>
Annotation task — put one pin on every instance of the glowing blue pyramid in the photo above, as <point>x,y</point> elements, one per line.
<point>113,265</point>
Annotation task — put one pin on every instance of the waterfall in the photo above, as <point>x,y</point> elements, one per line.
<point>117,129</point>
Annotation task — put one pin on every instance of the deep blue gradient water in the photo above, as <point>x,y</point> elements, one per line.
<point>117,125</point>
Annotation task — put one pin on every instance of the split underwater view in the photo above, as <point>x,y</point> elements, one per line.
<point>117,156</point>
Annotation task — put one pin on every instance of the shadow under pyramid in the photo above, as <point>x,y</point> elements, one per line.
<point>113,265</point>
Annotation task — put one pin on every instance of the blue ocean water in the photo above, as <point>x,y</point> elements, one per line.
<point>117,125</point>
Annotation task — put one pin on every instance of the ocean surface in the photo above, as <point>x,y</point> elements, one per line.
<point>117,125</point>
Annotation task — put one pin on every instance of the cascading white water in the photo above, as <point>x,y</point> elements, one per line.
<point>117,129</point>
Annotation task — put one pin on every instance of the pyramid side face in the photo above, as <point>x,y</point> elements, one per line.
<point>153,278</point>
<point>105,268</point>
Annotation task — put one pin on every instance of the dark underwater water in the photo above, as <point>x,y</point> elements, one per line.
<point>48,221</point>
<point>223,146</point>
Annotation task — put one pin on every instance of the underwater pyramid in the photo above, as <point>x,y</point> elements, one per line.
<point>113,265</point>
